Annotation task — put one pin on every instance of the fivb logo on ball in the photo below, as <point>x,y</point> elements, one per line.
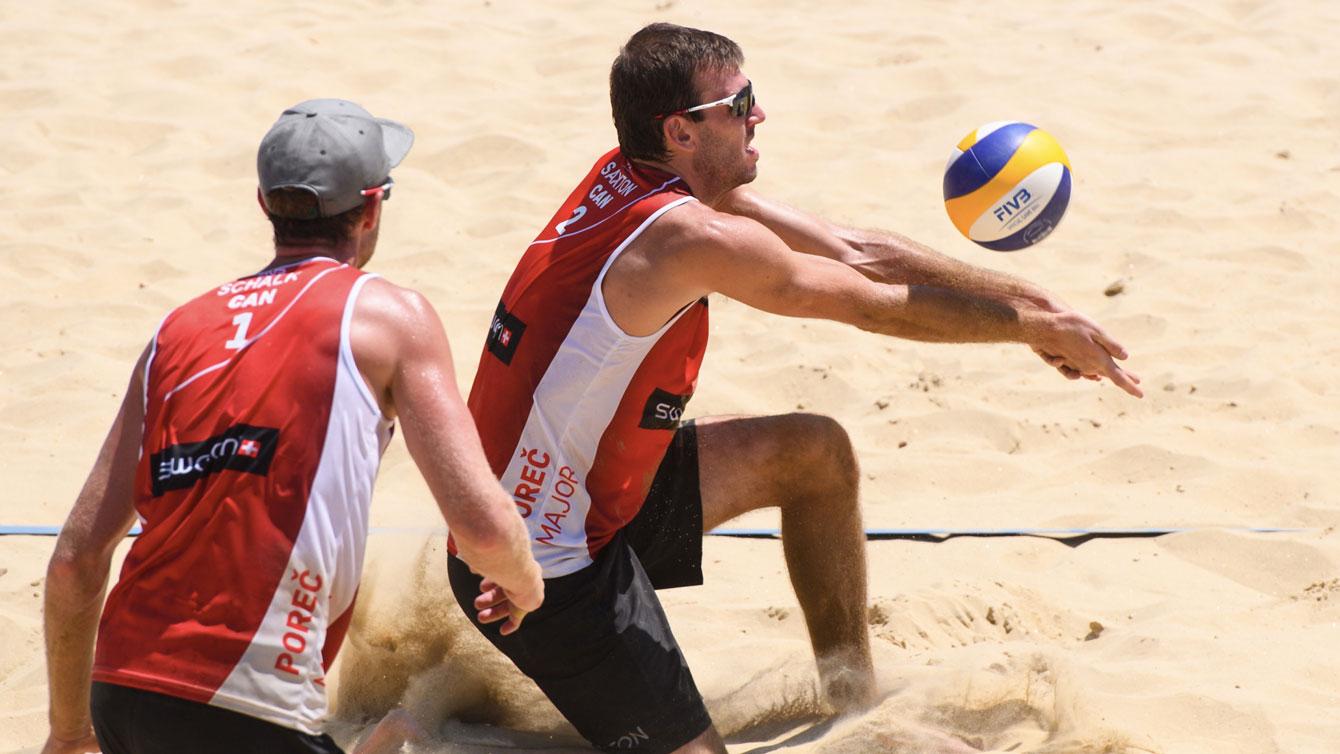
<point>1007,185</point>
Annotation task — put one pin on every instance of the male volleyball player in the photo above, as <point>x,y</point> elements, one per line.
<point>247,445</point>
<point>594,351</point>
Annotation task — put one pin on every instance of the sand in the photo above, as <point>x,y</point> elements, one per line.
<point>1203,137</point>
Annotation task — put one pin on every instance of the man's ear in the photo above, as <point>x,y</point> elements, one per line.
<point>260,199</point>
<point>372,210</point>
<point>680,133</point>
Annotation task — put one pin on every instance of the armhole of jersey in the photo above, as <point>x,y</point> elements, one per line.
<point>600,279</point>
<point>148,363</point>
<point>347,351</point>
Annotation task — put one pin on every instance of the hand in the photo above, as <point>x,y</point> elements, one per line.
<point>1059,363</point>
<point>77,745</point>
<point>1078,347</point>
<point>495,603</point>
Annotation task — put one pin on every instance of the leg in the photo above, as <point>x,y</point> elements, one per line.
<point>804,465</point>
<point>601,649</point>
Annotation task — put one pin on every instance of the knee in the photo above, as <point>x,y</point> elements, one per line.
<point>822,453</point>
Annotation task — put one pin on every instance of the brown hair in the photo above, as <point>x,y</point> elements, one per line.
<point>299,222</point>
<point>654,74</point>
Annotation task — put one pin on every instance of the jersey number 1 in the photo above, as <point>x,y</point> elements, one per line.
<point>243,321</point>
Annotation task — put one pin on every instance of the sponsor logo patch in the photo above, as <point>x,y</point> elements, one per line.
<point>241,448</point>
<point>663,410</point>
<point>504,334</point>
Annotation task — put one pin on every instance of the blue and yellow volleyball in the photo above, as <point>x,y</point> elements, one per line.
<point>1007,185</point>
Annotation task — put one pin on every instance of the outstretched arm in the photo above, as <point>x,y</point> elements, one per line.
<point>887,257</point>
<point>884,256</point>
<point>693,250</point>
<point>79,570</point>
<point>402,350</point>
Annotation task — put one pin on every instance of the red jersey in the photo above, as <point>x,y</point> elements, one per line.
<point>575,414</point>
<point>261,445</point>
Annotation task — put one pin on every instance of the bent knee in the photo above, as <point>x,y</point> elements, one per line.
<point>820,449</point>
<point>820,436</point>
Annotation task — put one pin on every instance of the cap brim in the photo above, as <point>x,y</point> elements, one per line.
<point>396,140</point>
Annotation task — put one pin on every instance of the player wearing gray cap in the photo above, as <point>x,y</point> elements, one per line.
<point>247,447</point>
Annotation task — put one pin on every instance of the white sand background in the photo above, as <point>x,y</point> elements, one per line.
<point>1203,136</point>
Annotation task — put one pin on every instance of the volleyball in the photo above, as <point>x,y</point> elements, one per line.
<point>1007,185</point>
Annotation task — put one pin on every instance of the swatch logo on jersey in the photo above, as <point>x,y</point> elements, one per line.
<point>241,447</point>
<point>663,410</point>
<point>504,334</point>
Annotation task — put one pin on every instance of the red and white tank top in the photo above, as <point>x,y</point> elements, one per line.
<point>261,445</point>
<point>575,414</point>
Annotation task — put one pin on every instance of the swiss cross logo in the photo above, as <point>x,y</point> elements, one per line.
<point>504,334</point>
<point>240,447</point>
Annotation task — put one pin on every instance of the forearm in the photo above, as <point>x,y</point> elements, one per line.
<point>496,545</point>
<point>883,256</point>
<point>888,257</point>
<point>940,315</point>
<point>72,606</point>
<point>489,533</point>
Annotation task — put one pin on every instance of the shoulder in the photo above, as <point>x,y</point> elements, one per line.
<point>697,249</point>
<point>382,301</point>
<point>395,330</point>
<point>391,322</point>
<point>695,226</point>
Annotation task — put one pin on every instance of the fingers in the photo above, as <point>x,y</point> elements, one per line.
<point>513,621</point>
<point>1113,348</point>
<point>495,604</point>
<point>1059,363</point>
<point>500,608</point>
<point>491,604</point>
<point>1128,381</point>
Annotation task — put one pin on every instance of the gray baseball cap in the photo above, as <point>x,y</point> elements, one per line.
<point>332,148</point>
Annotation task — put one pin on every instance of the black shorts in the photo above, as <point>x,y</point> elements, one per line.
<point>134,721</point>
<point>600,646</point>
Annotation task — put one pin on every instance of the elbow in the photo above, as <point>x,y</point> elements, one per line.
<point>77,575</point>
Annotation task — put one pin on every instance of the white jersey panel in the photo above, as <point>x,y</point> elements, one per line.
<point>579,393</point>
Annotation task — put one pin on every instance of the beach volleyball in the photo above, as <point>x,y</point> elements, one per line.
<point>1007,185</point>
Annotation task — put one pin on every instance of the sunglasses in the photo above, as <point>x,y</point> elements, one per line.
<point>740,103</point>
<point>384,190</point>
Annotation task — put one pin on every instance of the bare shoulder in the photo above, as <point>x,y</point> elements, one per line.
<point>395,328</point>
<point>743,200</point>
<point>693,228</point>
<point>384,302</point>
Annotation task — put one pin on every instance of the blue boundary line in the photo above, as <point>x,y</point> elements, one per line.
<point>1073,537</point>
<point>924,535</point>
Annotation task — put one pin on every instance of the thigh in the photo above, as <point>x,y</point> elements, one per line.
<point>750,462</point>
<point>667,532</point>
<point>601,649</point>
<point>134,721</point>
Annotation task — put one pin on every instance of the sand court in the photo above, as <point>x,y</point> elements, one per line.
<point>1202,233</point>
